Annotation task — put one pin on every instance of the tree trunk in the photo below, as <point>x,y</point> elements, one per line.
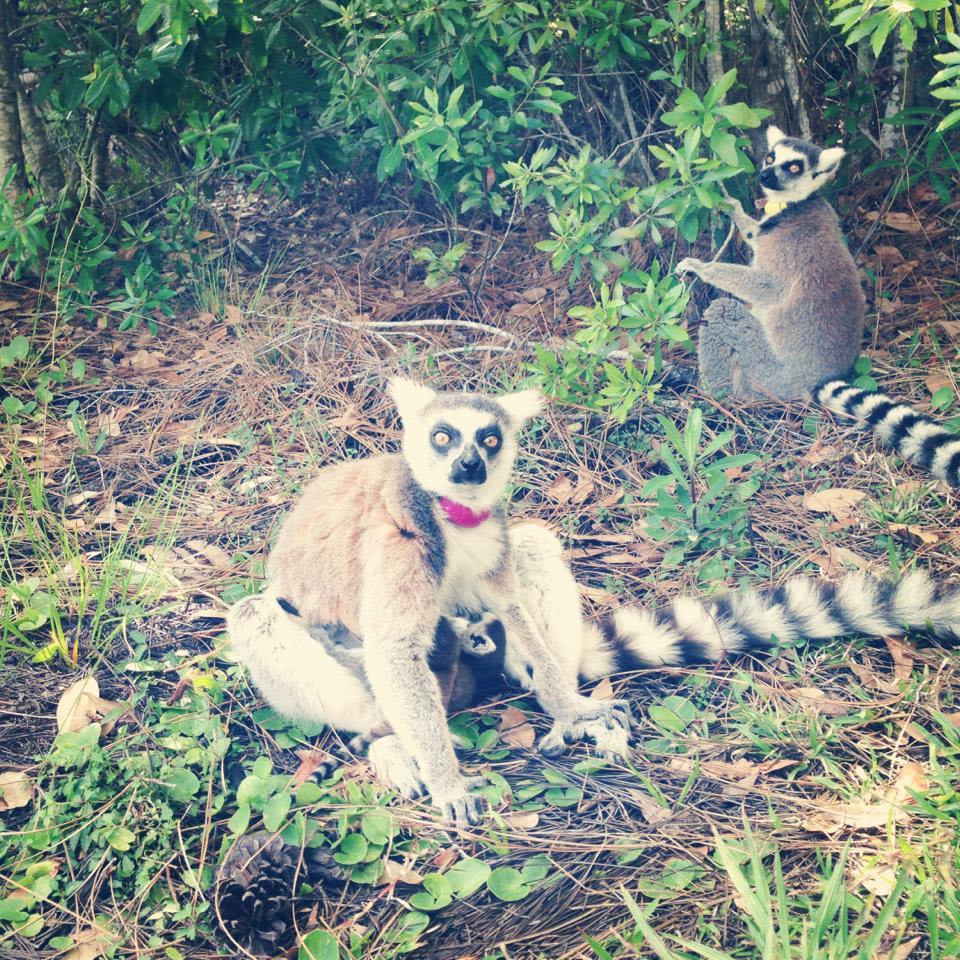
<point>11,139</point>
<point>787,62</point>
<point>40,154</point>
<point>897,99</point>
<point>714,49</point>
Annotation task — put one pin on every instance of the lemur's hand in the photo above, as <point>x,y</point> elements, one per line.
<point>606,722</point>
<point>736,208</point>
<point>688,265</point>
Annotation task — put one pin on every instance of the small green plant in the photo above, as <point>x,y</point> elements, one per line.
<point>780,925</point>
<point>440,268</point>
<point>613,358</point>
<point>701,510</point>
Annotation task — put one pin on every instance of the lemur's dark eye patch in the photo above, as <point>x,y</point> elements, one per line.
<point>443,437</point>
<point>769,157</point>
<point>490,438</point>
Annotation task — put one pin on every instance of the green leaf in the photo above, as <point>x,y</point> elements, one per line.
<point>239,822</point>
<point>276,809</point>
<point>378,827</point>
<point>353,848</point>
<point>149,15</point>
<point>506,883</point>
<point>319,945</point>
<point>121,839</point>
<point>437,893</point>
<point>942,398</point>
<point>180,783</point>
<point>724,145</point>
<point>467,876</point>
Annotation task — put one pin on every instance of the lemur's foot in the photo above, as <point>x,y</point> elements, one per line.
<point>606,722</point>
<point>461,808</point>
<point>688,265</point>
<point>395,767</point>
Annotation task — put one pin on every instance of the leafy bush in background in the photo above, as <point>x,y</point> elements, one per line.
<point>618,121</point>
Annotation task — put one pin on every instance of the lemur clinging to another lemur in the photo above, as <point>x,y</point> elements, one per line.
<point>405,550</point>
<point>798,330</point>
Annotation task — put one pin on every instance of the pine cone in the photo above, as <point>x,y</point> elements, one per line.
<point>255,889</point>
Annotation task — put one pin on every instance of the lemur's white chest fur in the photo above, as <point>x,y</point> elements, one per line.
<point>472,554</point>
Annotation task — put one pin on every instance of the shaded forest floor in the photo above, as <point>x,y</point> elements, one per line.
<point>141,503</point>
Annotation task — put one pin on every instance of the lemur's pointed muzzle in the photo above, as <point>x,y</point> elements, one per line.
<point>469,467</point>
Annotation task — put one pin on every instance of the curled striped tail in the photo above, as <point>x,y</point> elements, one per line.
<point>703,630</point>
<point>915,436</point>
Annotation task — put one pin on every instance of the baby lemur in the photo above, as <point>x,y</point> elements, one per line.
<point>795,329</point>
<point>409,553</point>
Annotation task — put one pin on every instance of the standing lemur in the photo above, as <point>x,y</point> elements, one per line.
<point>408,555</point>
<point>798,330</point>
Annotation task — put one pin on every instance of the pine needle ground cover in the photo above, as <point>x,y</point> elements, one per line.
<point>803,806</point>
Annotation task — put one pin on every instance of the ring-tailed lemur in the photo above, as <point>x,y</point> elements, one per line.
<point>801,332</point>
<point>392,546</point>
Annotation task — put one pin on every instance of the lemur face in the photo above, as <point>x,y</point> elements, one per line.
<point>794,168</point>
<point>461,445</point>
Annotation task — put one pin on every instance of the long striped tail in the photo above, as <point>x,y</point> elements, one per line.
<point>704,630</point>
<point>915,436</point>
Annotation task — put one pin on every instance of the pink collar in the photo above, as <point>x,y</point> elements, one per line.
<point>461,515</point>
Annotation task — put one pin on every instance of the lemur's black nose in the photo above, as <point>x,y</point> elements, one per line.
<point>768,178</point>
<point>469,467</point>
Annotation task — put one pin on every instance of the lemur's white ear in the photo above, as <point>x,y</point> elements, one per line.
<point>410,397</point>
<point>829,160</point>
<point>521,406</point>
<point>774,136</point>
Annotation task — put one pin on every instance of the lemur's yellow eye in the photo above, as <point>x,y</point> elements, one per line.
<point>795,168</point>
<point>441,438</point>
<point>491,441</point>
<point>770,158</point>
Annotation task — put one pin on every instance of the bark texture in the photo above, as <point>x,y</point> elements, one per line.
<point>11,138</point>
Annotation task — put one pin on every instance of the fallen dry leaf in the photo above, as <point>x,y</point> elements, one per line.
<point>887,255</point>
<point>914,534</point>
<point>902,656</point>
<point>937,380</point>
<point>603,690</point>
<point>232,314</point>
<point>869,678</point>
<point>560,489</point>
<point>902,952</point>
<point>515,729</point>
<point>651,810</point>
<point>81,704</point>
<point>951,328</point>
<point>833,817</point>
<point>89,944</point>
<point>880,877</point>
<point>836,500</point>
<point>899,220</point>
<point>820,452</point>
<point>814,700</point>
<point>522,819</point>
<point>396,872</point>
<point>446,858</point>
<point>16,789</point>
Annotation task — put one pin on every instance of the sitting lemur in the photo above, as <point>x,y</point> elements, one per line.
<point>392,570</point>
<point>795,329</point>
